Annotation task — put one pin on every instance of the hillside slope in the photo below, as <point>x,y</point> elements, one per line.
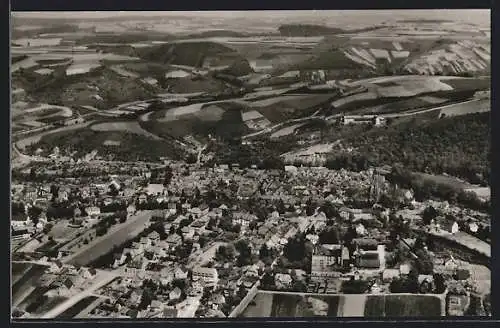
<point>183,53</point>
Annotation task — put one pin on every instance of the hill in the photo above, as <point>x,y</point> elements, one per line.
<point>307,30</point>
<point>458,146</point>
<point>183,53</point>
<point>216,33</point>
<point>240,67</point>
<point>222,120</point>
<point>329,60</point>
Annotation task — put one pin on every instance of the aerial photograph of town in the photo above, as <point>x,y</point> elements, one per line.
<point>251,164</point>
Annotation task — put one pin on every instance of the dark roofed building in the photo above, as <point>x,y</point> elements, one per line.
<point>368,260</point>
<point>366,244</point>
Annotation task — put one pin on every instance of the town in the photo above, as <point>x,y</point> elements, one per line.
<point>186,240</point>
<point>237,165</point>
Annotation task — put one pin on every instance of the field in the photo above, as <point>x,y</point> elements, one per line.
<point>128,126</point>
<point>475,106</point>
<point>402,306</point>
<point>117,236</point>
<point>61,231</point>
<point>446,180</point>
<point>81,62</point>
<point>48,304</point>
<point>52,119</point>
<point>26,282</point>
<point>286,131</point>
<point>77,308</point>
<point>266,304</point>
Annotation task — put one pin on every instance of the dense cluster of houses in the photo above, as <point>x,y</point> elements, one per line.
<point>186,217</point>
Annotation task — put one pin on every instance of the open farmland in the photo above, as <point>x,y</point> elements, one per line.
<point>403,306</point>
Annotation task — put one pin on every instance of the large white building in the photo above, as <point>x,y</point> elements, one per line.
<point>208,275</point>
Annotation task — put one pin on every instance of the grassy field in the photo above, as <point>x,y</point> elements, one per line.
<point>402,306</point>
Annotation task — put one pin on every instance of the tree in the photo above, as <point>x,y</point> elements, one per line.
<point>47,228</point>
<point>267,281</point>
<point>203,241</point>
<point>424,263</point>
<point>329,236</point>
<point>330,211</point>
<point>299,286</point>
<point>280,207</point>
<point>191,159</point>
<point>252,225</point>
<point>264,252</point>
<point>225,253</point>
<point>429,214</point>
<point>34,213</point>
<point>245,253</point>
<point>146,299</point>
<point>355,286</point>
<point>272,162</point>
<point>113,191</point>
<point>439,283</point>
<point>101,230</point>
<point>54,191</point>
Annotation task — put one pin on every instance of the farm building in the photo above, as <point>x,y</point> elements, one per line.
<point>374,120</point>
<point>449,226</point>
